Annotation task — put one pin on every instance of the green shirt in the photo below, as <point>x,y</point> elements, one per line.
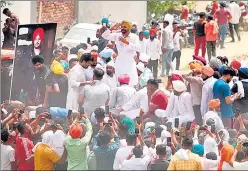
<point>78,150</point>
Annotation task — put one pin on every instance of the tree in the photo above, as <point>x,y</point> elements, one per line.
<point>160,7</point>
<point>5,3</point>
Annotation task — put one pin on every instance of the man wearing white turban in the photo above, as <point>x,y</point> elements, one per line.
<point>179,106</point>
<point>109,77</point>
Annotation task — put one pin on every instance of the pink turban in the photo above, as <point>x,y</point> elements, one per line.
<point>124,78</point>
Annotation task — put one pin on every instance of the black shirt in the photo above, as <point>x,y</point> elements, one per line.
<point>43,77</point>
<point>199,28</point>
<point>159,165</point>
<point>58,99</point>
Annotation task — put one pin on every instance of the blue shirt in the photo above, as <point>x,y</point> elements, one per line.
<point>221,90</point>
<point>105,155</point>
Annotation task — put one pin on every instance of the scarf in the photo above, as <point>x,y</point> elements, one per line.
<point>46,140</point>
<point>58,140</point>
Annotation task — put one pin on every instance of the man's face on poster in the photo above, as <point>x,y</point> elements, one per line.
<point>37,41</point>
<point>38,66</point>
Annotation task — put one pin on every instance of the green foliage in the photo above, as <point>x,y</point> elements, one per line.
<point>5,3</point>
<point>160,7</point>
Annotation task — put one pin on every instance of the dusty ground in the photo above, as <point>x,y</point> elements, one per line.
<point>232,50</point>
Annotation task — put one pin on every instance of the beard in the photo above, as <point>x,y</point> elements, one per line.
<point>152,38</point>
<point>228,81</point>
<point>123,31</point>
<point>85,67</point>
<point>109,73</point>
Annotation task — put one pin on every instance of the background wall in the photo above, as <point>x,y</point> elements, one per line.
<point>94,11</point>
<point>63,13</point>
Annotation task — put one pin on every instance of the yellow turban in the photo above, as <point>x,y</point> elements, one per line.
<point>126,24</point>
<point>57,68</point>
<point>214,103</point>
<point>196,65</point>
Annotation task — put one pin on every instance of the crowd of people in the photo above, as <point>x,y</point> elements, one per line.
<point>104,109</point>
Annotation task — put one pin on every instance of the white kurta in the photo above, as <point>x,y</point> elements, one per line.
<point>110,81</point>
<point>179,107</point>
<point>207,94</point>
<point>144,46</point>
<point>75,77</point>
<point>125,63</point>
<point>138,101</point>
<point>120,96</point>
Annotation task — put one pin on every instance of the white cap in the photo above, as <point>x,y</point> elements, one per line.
<point>144,57</point>
<point>179,86</point>
<point>95,47</point>
<point>149,124</point>
<point>140,66</point>
<point>111,63</point>
<point>160,113</point>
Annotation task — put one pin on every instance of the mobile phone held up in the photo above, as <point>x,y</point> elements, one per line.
<point>107,109</point>
<point>88,40</point>
<point>138,120</point>
<point>69,114</point>
<point>81,110</point>
<point>176,122</point>
<point>107,124</point>
<point>188,126</point>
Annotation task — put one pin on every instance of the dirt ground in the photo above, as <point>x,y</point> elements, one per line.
<point>232,50</point>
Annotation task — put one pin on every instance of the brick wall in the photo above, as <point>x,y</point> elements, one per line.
<point>62,12</point>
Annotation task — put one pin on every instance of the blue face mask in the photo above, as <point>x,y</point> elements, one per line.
<point>152,38</point>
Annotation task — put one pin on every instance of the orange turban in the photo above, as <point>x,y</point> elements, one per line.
<point>153,32</point>
<point>196,65</point>
<point>126,24</point>
<point>76,131</point>
<point>208,71</point>
<point>214,103</point>
<point>94,55</point>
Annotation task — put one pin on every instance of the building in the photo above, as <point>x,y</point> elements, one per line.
<point>66,12</point>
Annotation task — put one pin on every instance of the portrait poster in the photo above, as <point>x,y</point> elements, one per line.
<point>31,40</point>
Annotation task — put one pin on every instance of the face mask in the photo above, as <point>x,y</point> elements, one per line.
<point>152,38</point>
<point>109,73</point>
<point>94,65</point>
<point>85,67</point>
<point>123,31</point>
<point>133,30</point>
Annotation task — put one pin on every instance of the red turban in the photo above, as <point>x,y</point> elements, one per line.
<point>124,78</point>
<point>235,64</point>
<point>153,32</point>
<point>199,58</point>
<point>76,131</point>
<point>175,77</point>
<point>94,55</point>
<point>40,32</point>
